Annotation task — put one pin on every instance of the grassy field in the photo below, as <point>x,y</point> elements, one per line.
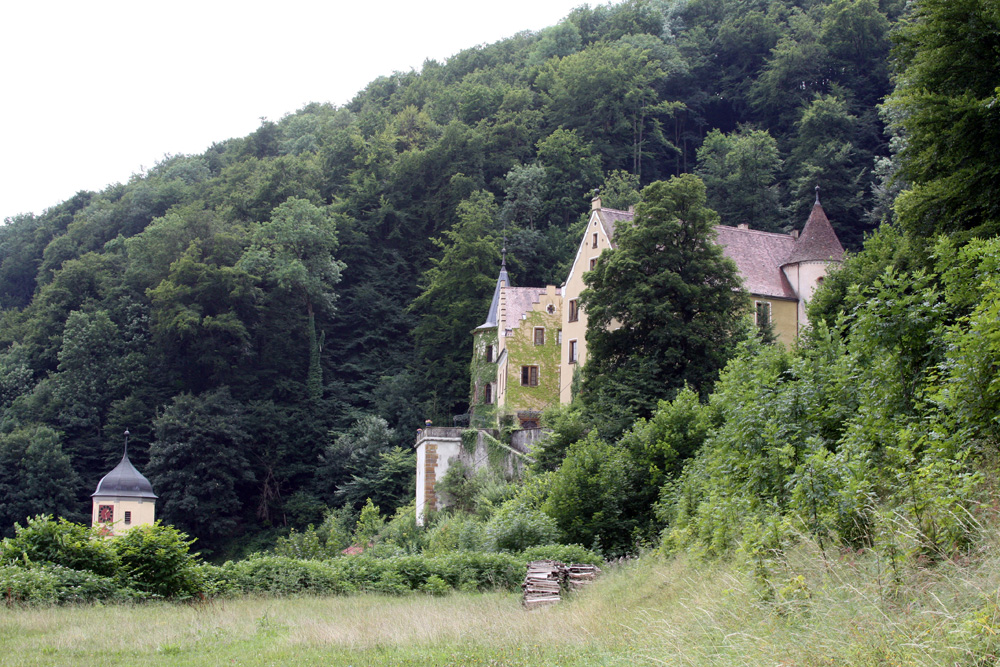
<point>809,609</point>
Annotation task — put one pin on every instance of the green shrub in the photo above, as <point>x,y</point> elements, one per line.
<point>156,560</point>
<point>456,532</point>
<point>305,545</point>
<point>59,542</point>
<point>515,527</point>
<point>403,532</point>
<point>49,584</point>
<point>565,553</point>
<point>435,585</point>
<point>279,575</point>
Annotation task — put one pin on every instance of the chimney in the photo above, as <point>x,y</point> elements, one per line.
<point>631,208</point>
<point>595,204</point>
<point>743,225</point>
<point>795,234</point>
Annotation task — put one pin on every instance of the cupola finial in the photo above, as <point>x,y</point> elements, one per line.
<point>817,195</point>
<point>126,443</point>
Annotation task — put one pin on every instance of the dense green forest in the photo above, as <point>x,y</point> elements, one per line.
<point>273,318</point>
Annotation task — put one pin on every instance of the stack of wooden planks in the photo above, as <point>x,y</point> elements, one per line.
<point>546,579</point>
<point>581,576</point>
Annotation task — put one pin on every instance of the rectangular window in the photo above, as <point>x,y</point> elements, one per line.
<point>572,352</point>
<point>594,245</point>
<point>488,394</point>
<point>574,314</point>
<point>539,335</point>
<point>489,354</point>
<point>763,313</point>
<point>128,518</point>
<point>559,337</point>
<point>593,263</point>
<point>106,513</point>
<point>529,376</point>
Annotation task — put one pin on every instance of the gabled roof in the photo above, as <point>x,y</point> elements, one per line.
<point>493,316</point>
<point>124,481</point>
<point>519,303</point>
<point>818,241</point>
<point>610,217</point>
<point>758,256</point>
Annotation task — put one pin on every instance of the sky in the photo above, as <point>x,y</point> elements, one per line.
<point>94,92</point>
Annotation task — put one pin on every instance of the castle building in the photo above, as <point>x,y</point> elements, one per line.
<point>533,342</point>
<point>780,272</point>
<point>124,498</point>
<point>515,357</point>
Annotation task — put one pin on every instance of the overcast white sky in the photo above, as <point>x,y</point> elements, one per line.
<point>96,91</point>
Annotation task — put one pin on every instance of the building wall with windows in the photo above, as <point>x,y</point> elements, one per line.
<point>530,341</point>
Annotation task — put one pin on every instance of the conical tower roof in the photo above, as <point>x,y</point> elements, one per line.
<point>818,241</point>
<point>124,481</point>
<point>492,318</point>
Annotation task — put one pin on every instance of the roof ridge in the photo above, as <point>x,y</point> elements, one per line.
<point>758,231</point>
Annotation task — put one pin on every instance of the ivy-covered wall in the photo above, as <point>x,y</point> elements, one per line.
<point>483,372</point>
<point>522,351</point>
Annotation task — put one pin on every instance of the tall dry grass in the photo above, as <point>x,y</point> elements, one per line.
<point>808,607</point>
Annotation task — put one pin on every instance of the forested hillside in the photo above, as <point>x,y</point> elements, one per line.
<point>273,318</point>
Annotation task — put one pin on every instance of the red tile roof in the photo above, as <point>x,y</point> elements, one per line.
<point>818,241</point>
<point>759,255</point>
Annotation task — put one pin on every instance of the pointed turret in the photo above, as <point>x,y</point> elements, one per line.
<point>818,241</point>
<point>503,280</point>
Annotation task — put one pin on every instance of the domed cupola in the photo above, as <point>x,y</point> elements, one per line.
<point>124,497</point>
<point>125,482</point>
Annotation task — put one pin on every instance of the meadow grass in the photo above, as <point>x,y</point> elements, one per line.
<point>807,608</point>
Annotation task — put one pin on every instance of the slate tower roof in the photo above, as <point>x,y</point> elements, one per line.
<point>492,318</point>
<point>124,481</point>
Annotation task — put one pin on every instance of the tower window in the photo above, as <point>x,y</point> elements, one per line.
<point>488,393</point>
<point>489,354</point>
<point>539,335</point>
<point>529,376</point>
<point>128,518</point>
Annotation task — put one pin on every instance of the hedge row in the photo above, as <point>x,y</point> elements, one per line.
<point>462,571</point>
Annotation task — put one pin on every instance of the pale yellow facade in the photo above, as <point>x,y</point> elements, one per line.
<point>784,317</point>
<point>574,319</point>
<point>126,513</point>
